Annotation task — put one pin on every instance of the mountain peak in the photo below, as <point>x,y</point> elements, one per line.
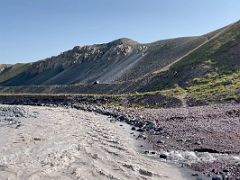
<point>125,41</point>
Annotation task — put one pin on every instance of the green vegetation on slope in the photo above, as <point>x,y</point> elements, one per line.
<point>12,71</point>
<point>214,87</point>
<point>219,56</point>
<point>220,51</point>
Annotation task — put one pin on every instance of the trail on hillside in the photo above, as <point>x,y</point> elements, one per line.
<point>59,143</point>
<point>193,50</point>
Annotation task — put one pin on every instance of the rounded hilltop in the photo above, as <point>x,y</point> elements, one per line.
<point>125,41</point>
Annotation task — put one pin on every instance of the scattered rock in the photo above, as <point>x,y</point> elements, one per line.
<point>133,128</point>
<point>145,172</point>
<point>206,150</point>
<point>163,156</point>
<point>141,136</point>
<point>146,152</point>
<point>225,170</point>
<point>129,166</point>
<point>217,177</point>
<point>96,82</point>
<point>160,142</point>
<point>18,125</point>
<point>140,130</point>
<point>37,139</point>
<point>94,156</point>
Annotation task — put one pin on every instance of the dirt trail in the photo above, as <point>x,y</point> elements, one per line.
<point>193,50</point>
<point>58,143</point>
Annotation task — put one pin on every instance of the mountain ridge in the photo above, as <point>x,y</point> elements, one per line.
<point>115,59</point>
<point>192,64</point>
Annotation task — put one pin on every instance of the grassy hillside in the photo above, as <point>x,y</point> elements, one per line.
<point>218,56</point>
<point>10,71</point>
<point>209,73</point>
<point>224,87</point>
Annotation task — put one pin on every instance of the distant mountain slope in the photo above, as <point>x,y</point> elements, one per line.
<point>198,68</point>
<point>10,71</point>
<point>120,60</point>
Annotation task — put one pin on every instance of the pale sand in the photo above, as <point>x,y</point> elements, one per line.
<point>70,144</point>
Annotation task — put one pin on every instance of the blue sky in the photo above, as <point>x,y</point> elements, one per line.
<point>31,30</point>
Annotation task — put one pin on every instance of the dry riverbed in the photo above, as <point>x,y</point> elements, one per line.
<point>207,138</point>
<point>65,143</point>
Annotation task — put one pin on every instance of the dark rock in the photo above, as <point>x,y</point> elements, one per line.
<point>225,170</point>
<point>133,128</point>
<point>159,129</point>
<point>140,130</point>
<point>18,125</point>
<point>141,136</point>
<point>218,177</point>
<point>145,172</point>
<point>96,82</point>
<point>151,125</point>
<point>129,166</point>
<point>206,150</point>
<point>146,152</point>
<point>160,142</point>
<point>163,156</point>
<point>225,177</point>
<point>139,124</point>
<point>122,118</point>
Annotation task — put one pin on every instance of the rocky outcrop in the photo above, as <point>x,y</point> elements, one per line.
<point>113,62</point>
<point>3,67</point>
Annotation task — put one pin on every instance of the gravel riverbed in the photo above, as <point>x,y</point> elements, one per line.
<point>204,138</point>
<point>65,143</point>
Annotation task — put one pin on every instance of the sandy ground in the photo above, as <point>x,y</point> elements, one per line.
<point>58,143</point>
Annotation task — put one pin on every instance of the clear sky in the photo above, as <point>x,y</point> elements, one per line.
<point>31,30</point>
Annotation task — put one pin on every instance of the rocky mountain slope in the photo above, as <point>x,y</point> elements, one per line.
<point>202,67</point>
<point>123,59</point>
